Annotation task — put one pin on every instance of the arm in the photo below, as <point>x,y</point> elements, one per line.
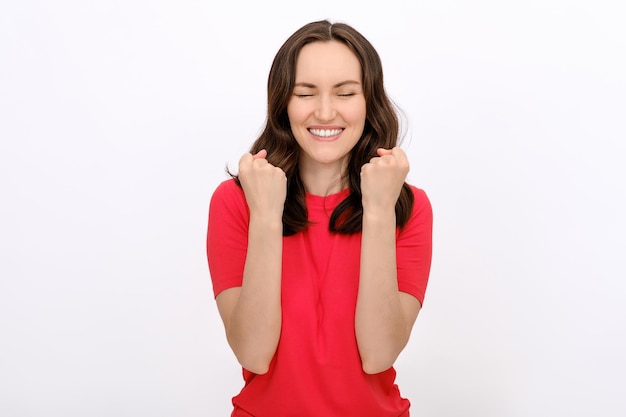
<point>384,315</point>
<point>252,313</point>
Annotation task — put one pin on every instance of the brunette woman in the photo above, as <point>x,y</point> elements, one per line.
<point>318,249</point>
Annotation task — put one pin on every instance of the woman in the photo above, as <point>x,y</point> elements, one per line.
<point>319,251</point>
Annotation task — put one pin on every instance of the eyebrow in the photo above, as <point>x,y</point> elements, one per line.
<point>339,84</point>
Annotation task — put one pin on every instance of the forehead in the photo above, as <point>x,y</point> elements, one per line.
<point>330,61</point>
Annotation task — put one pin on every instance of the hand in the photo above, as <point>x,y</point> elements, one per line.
<point>382,179</point>
<point>264,185</point>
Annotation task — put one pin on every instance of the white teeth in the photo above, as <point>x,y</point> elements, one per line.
<point>325,133</point>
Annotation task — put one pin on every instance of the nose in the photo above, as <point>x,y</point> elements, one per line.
<point>325,111</point>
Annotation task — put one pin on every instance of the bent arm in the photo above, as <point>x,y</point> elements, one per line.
<point>252,313</point>
<point>384,315</point>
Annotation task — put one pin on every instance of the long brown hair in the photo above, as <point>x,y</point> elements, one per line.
<point>381,128</point>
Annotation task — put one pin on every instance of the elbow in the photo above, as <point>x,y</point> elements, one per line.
<point>257,364</point>
<point>376,365</point>
<point>378,359</point>
<point>256,368</point>
<point>254,356</point>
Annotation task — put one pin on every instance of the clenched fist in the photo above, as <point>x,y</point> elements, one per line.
<point>264,185</point>
<point>382,179</point>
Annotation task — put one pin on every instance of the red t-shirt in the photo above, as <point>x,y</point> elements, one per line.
<point>316,370</point>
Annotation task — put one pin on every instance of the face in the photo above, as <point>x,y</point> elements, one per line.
<point>327,109</point>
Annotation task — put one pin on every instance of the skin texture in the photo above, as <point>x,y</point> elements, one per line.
<point>252,313</point>
<point>384,315</point>
<point>327,95</point>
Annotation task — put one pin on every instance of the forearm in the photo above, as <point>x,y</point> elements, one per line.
<point>382,329</point>
<point>254,326</point>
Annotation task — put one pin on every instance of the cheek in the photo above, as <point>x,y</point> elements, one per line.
<point>359,119</point>
<point>356,113</point>
<point>296,114</point>
<point>290,113</point>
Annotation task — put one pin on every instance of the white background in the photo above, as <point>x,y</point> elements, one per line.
<point>117,119</point>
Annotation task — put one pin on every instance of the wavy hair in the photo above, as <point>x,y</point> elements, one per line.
<point>381,128</point>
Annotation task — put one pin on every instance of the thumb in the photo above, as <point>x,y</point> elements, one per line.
<point>383,151</point>
<point>260,154</point>
<point>398,152</point>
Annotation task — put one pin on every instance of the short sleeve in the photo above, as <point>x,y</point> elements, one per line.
<point>414,247</point>
<point>227,236</point>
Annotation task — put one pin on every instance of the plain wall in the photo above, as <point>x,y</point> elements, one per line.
<point>117,119</point>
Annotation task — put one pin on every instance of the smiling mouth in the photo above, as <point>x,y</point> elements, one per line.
<point>325,133</point>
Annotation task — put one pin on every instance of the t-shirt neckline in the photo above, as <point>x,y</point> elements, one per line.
<point>330,200</point>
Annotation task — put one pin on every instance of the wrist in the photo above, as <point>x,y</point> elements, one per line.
<point>379,215</point>
<point>269,221</point>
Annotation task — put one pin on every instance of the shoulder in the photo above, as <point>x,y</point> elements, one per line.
<point>421,217</point>
<point>228,190</point>
<point>227,187</point>
<point>421,202</point>
<point>228,198</point>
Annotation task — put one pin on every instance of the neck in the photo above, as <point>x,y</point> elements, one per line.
<point>323,180</point>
